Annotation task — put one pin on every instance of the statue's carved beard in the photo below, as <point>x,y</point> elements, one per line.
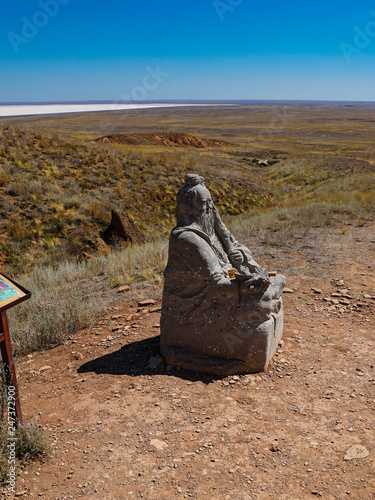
<point>207,222</point>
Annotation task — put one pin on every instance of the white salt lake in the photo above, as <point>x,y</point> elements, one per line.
<point>49,109</point>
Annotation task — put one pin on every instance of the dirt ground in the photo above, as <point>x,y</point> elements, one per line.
<point>123,425</point>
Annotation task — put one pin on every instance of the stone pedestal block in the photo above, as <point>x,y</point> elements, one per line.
<point>242,346</point>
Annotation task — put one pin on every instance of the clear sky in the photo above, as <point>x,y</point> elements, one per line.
<point>56,50</point>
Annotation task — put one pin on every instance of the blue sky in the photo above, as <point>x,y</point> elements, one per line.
<point>199,49</point>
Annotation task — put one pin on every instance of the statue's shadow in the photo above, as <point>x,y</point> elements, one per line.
<point>140,358</point>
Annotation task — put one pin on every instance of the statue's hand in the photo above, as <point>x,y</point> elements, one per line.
<point>236,257</point>
<point>262,272</point>
<point>257,284</point>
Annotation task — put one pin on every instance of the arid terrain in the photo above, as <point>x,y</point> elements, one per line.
<point>124,425</point>
<point>294,182</point>
<point>58,186</point>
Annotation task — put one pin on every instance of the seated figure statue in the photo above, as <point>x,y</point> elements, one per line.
<point>221,313</point>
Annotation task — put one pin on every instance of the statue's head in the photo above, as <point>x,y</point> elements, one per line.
<point>193,199</point>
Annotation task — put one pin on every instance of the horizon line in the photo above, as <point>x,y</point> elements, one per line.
<point>202,101</point>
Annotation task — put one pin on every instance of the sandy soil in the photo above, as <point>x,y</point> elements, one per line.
<point>123,425</point>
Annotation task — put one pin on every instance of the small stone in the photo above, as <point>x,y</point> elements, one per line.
<point>272,273</point>
<point>158,444</point>
<point>356,451</point>
<point>188,454</point>
<point>344,302</point>
<point>20,493</point>
<point>44,368</point>
<point>274,447</point>
<point>327,299</point>
<point>155,309</point>
<point>288,290</point>
<point>316,290</point>
<point>148,302</point>
<point>154,362</point>
<point>124,288</point>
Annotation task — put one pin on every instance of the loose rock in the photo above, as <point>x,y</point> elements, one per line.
<point>158,444</point>
<point>148,302</point>
<point>356,451</point>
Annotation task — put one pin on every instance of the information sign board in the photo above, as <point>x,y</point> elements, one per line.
<point>11,293</point>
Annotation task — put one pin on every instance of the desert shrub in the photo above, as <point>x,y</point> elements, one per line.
<point>18,229</point>
<point>31,443</point>
<point>30,439</point>
<point>5,175</point>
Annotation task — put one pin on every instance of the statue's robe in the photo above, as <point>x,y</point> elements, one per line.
<point>207,324</point>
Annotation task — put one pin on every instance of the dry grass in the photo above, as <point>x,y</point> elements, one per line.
<point>70,296</point>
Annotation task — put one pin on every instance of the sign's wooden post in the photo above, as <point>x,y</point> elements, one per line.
<point>11,293</point>
<point>9,368</point>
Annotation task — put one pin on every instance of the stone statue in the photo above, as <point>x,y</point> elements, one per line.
<point>221,313</point>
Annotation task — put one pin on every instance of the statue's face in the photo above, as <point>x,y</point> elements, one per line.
<point>202,202</point>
